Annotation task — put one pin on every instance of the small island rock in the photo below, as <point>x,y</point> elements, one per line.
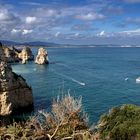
<point>42,57</point>
<point>26,55</point>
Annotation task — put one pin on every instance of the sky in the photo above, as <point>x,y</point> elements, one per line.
<point>71,21</point>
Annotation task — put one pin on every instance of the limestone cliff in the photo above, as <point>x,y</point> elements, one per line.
<point>42,57</point>
<point>15,94</point>
<point>11,55</point>
<point>26,55</point>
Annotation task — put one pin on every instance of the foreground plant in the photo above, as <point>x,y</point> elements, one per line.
<point>65,121</point>
<point>65,118</point>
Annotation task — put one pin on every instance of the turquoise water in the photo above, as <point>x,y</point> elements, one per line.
<point>96,74</point>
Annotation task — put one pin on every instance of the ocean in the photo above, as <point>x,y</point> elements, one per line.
<point>104,76</point>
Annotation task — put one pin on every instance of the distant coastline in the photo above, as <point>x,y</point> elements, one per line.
<point>58,45</point>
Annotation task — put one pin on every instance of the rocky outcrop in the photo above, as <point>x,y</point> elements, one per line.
<point>42,57</point>
<point>26,55</point>
<point>15,55</point>
<point>11,55</point>
<point>15,94</point>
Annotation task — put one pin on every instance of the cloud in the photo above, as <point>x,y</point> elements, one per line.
<point>21,31</point>
<point>90,16</point>
<point>120,34</point>
<point>46,12</point>
<point>30,20</point>
<point>6,16</point>
<point>8,21</point>
<point>131,32</point>
<point>76,34</point>
<point>25,31</point>
<point>35,21</point>
<point>57,34</point>
<point>15,31</point>
<point>45,21</point>
<point>102,33</point>
<point>127,33</point>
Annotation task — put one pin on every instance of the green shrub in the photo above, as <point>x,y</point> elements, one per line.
<point>121,123</point>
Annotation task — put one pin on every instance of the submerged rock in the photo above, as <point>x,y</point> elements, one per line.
<point>26,55</point>
<point>42,57</point>
<point>15,94</point>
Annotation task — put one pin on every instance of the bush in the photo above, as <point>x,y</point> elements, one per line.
<point>65,121</point>
<point>121,123</point>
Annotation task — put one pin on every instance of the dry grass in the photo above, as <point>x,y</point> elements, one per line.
<point>66,121</point>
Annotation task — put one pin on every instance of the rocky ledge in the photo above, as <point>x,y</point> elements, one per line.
<point>15,94</point>
<point>42,57</point>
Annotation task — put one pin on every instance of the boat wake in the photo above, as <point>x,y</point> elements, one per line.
<point>70,78</point>
<point>80,83</point>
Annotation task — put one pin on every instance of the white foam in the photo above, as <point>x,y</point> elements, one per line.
<point>70,78</point>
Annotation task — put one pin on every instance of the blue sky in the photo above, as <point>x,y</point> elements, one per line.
<point>71,21</point>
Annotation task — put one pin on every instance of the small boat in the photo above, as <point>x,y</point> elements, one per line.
<point>138,80</point>
<point>83,84</point>
<point>126,79</point>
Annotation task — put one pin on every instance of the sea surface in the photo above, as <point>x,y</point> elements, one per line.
<point>104,77</point>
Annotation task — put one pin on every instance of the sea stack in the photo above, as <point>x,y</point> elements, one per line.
<point>11,55</point>
<point>42,57</point>
<point>26,55</point>
<point>15,94</point>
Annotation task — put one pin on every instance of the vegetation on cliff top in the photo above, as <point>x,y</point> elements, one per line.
<point>67,121</point>
<point>121,123</point>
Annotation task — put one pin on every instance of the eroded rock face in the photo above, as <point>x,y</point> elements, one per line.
<point>26,55</point>
<point>11,55</point>
<point>42,57</point>
<point>15,55</point>
<point>15,94</point>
